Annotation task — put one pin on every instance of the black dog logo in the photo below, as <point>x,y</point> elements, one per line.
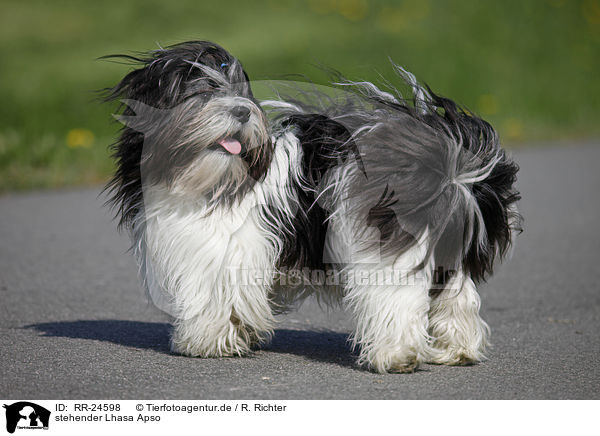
<point>27,415</point>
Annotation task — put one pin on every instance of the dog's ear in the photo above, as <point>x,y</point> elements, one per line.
<point>325,143</point>
<point>153,82</point>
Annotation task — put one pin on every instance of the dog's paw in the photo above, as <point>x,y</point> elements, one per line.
<point>232,345</point>
<point>409,366</point>
<point>455,355</point>
<point>190,348</point>
<point>390,362</point>
<point>192,338</point>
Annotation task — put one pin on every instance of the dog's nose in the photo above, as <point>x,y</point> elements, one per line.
<point>242,113</point>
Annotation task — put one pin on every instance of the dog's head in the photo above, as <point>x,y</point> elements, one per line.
<point>191,123</point>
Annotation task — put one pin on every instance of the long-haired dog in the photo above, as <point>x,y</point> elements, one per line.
<point>395,207</point>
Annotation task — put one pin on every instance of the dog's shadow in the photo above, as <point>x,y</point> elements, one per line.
<point>321,346</point>
<point>136,334</point>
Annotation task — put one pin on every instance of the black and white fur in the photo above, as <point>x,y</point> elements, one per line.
<point>363,185</point>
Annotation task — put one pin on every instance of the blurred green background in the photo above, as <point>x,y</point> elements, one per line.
<point>529,67</point>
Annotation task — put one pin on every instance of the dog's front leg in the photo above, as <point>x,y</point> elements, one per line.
<point>216,271</point>
<point>231,319</point>
<point>228,312</point>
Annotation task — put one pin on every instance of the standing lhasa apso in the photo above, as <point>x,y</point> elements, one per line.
<point>394,207</point>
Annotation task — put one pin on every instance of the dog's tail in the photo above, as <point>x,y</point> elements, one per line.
<point>450,177</point>
<point>479,200</point>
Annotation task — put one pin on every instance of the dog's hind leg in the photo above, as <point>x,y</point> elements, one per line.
<point>390,301</point>
<point>459,334</point>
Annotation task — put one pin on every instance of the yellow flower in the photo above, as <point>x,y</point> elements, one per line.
<point>80,138</point>
<point>513,128</point>
<point>400,17</point>
<point>488,105</point>
<point>354,10</point>
<point>590,9</point>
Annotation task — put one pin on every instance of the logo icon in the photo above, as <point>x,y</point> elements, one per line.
<point>26,415</point>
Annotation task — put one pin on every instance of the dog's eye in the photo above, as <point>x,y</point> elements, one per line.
<point>224,65</point>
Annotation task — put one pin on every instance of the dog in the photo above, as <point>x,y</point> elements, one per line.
<point>400,206</point>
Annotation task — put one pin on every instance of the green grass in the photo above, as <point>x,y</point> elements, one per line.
<point>530,68</point>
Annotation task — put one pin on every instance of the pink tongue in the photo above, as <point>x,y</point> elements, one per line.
<point>233,146</point>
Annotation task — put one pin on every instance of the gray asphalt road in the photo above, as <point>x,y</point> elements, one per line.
<point>75,324</point>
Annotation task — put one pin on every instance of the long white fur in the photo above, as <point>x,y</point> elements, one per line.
<point>460,335</point>
<point>193,260</point>
<point>391,316</point>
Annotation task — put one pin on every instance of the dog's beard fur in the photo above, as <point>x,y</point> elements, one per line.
<point>372,181</point>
